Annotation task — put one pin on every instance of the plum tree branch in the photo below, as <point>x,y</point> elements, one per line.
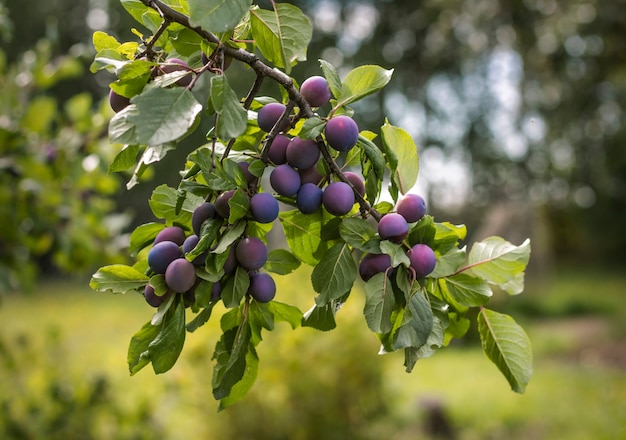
<point>263,70</point>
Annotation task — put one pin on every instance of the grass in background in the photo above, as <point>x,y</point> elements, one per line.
<point>309,378</point>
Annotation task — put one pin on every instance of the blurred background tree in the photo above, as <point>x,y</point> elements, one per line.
<point>518,107</point>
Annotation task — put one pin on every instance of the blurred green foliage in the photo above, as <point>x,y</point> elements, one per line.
<point>311,384</point>
<point>56,197</point>
<point>41,399</point>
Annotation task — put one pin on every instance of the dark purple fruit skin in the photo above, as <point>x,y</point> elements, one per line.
<point>246,172</point>
<point>285,180</point>
<point>200,214</point>
<point>412,207</point>
<point>393,227</point>
<point>251,253</point>
<point>357,182</point>
<point>152,298</point>
<point>309,198</point>
<point>316,91</point>
<point>171,233</point>
<point>264,208</point>
<point>302,153</point>
<point>341,133</point>
<point>175,65</point>
<point>231,262</point>
<point>216,291</point>
<point>189,244</point>
<point>278,149</point>
<point>338,198</point>
<point>423,260</point>
<point>221,203</point>
<point>310,175</point>
<point>371,264</point>
<point>118,102</point>
<point>269,114</point>
<point>180,275</point>
<point>162,254</point>
<point>262,287</point>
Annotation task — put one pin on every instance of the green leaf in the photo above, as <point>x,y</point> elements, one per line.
<point>506,344</point>
<point>500,262</point>
<point>282,35</point>
<point>138,356</point>
<point>361,82</point>
<point>125,159</point>
<point>321,318</point>
<point>117,278</point>
<point>163,115</point>
<point>332,77</point>
<point>286,313</point>
<point>312,128</point>
<point>334,275</point>
<point>229,238</point>
<point>164,202</point>
<point>200,319</point>
<point>304,235</point>
<point>233,117</point>
<point>449,263</point>
<point>235,288</point>
<point>359,234</point>
<point>447,236</point>
<point>241,388</point>
<point>142,13</point>
<point>143,235</point>
<point>239,205</point>
<point>121,130</point>
<point>396,252</point>
<point>102,40</point>
<point>379,303</point>
<point>417,323</point>
<point>167,346</point>
<point>281,262</point>
<point>217,15</point>
<point>230,355</point>
<point>373,154</point>
<point>467,290</point>
<point>401,153</point>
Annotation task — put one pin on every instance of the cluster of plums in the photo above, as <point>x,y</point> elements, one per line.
<point>171,246</point>
<point>394,226</point>
<point>295,172</point>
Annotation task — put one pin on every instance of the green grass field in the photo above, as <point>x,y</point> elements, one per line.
<point>312,382</point>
